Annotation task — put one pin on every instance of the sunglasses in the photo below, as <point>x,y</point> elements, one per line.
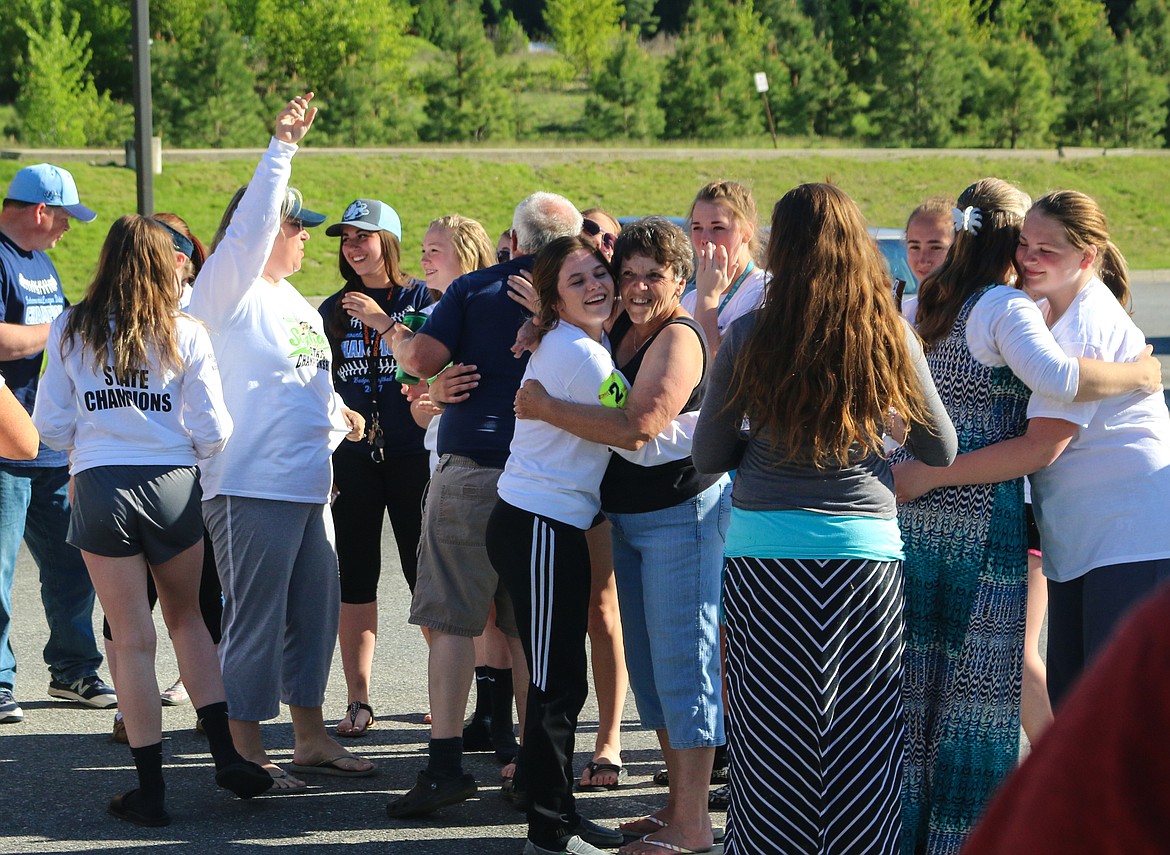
<point>503,255</point>
<point>593,230</point>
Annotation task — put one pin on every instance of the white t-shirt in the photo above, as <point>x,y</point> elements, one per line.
<point>155,418</point>
<point>273,355</point>
<point>1103,501</point>
<point>549,471</point>
<point>747,298</point>
<point>1007,328</point>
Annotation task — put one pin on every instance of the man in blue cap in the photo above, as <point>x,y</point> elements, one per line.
<point>34,494</point>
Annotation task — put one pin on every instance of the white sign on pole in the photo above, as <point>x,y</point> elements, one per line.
<point>761,81</point>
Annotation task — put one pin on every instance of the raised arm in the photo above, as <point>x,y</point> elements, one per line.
<point>671,369</point>
<point>239,259</point>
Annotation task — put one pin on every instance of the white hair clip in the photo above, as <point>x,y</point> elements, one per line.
<point>968,219</point>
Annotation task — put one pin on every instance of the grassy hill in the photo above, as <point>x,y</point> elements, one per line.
<point>1131,189</point>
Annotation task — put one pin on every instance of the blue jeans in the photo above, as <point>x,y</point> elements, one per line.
<point>34,505</point>
<point>668,565</point>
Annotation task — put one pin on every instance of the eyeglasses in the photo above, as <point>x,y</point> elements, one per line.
<point>593,230</point>
<point>503,255</point>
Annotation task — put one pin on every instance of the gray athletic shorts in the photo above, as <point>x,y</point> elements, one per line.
<point>119,511</point>
<point>456,580</point>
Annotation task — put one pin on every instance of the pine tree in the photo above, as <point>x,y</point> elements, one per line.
<point>204,90</point>
<point>58,104</point>
<point>583,30</point>
<point>467,96</point>
<point>624,100</point>
<point>707,88</point>
<point>1013,72</point>
<point>808,91</point>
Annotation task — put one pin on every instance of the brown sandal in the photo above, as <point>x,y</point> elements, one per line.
<point>351,712</point>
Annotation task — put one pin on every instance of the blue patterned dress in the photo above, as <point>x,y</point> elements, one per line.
<point>966,588</point>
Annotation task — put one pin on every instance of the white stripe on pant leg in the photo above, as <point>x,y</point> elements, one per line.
<point>541,584</point>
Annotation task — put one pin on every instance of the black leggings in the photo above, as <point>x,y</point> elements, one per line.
<point>544,564</point>
<point>210,594</point>
<point>366,492</point>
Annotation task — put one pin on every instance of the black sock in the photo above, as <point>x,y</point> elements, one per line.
<point>501,698</point>
<point>219,735</point>
<point>446,757</point>
<point>483,694</point>
<point>150,795</point>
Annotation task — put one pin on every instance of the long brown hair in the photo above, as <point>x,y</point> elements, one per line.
<point>976,258</point>
<point>827,358</point>
<point>546,272</point>
<point>1085,225</point>
<point>338,321</point>
<point>137,289</point>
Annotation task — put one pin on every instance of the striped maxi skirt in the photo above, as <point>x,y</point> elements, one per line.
<point>815,720</point>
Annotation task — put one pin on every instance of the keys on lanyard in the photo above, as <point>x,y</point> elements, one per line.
<point>374,437</point>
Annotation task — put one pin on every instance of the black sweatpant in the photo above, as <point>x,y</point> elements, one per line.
<point>367,492</point>
<point>544,564</point>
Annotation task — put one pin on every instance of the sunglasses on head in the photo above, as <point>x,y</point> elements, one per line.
<point>593,230</point>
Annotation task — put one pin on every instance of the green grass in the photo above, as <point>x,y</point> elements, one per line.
<point>1130,189</point>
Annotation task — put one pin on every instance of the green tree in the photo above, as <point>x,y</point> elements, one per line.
<point>468,99</point>
<point>707,89</point>
<point>204,90</point>
<point>352,55</point>
<point>12,36</point>
<point>624,100</point>
<point>1011,112</point>
<point>1149,22</point>
<point>925,68</point>
<point>639,16</point>
<point>58,104</point>
<point>808,92</point>
<point>583,30</point>
<point>1114,99</point>
<point>110,43</point>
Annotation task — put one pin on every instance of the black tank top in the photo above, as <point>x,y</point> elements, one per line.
<point>628,488</point>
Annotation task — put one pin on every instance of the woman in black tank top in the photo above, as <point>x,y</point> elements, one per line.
<point>668,520</point>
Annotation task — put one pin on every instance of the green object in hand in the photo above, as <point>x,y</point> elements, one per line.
<point>413,320</point>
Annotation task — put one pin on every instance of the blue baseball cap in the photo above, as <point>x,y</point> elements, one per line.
<point>298,213</point>
<point>49,184</point>
<point>371,215</point>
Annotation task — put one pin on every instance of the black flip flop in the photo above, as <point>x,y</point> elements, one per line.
<point>593,768</point>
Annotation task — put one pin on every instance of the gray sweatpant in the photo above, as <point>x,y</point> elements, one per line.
<point>278,567</point>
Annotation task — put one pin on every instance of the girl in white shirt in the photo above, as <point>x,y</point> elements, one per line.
<point>132,390</point>
<point>1100,504</point>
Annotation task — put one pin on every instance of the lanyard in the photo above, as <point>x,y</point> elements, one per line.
<point>373,342</point>
<point>735,287</point>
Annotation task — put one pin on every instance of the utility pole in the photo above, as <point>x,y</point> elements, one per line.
<point>143,125</point>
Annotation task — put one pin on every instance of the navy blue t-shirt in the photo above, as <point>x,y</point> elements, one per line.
<point>351,371</point>
<point>30,294</point>
<point>478,322</point>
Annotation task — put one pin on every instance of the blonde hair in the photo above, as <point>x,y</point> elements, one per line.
<point>473,247</point>
<point>738,199</point>
<point>1085,225</point>
<point>130,306</point>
